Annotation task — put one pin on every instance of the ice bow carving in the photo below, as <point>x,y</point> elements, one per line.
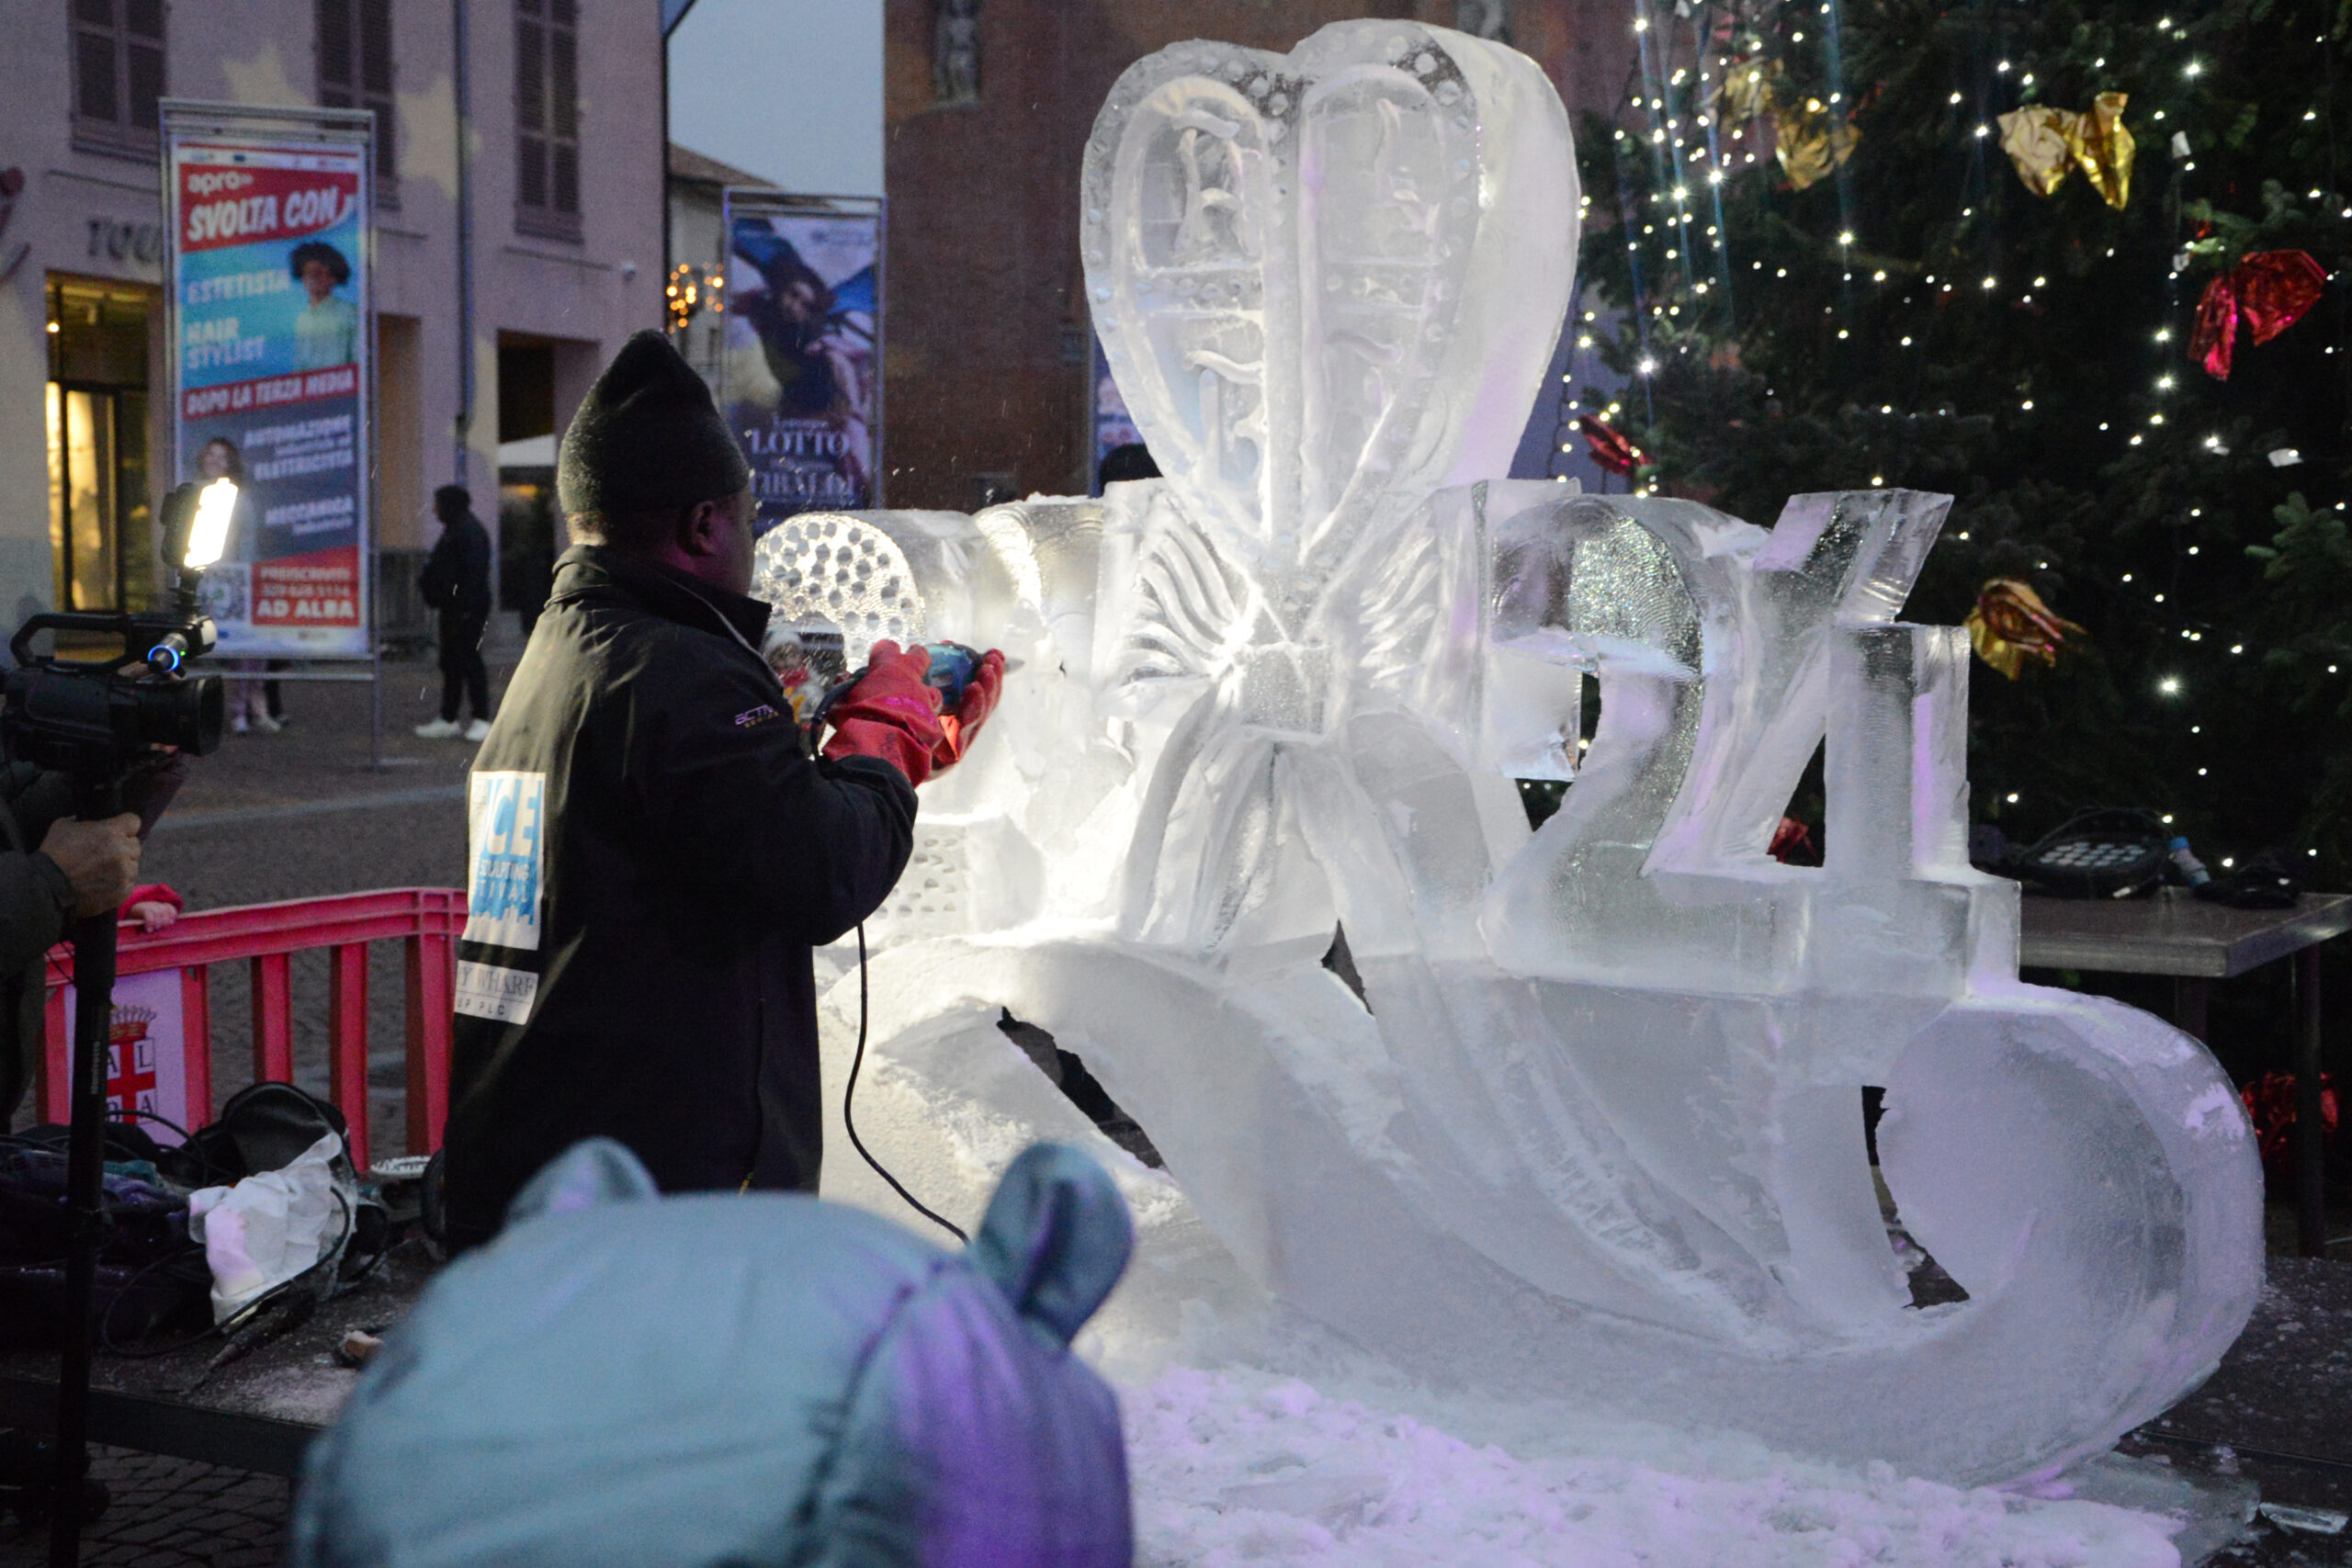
<point>1327,277</point>
<point>1594,1131</point>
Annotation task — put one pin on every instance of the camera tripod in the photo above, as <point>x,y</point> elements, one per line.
<point>97,797</point>
<point>104,723</point>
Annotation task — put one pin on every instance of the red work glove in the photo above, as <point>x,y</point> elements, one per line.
<point>891,713</point>
<point>981,693</point>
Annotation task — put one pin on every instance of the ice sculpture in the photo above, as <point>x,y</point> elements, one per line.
<point>1593,1130</point>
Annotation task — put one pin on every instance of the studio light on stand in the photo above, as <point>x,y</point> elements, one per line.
<point>209,533</point>
<point>105,722</point>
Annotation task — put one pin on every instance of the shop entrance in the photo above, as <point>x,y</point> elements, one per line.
<point>526,450</point>
<point>101,517</point>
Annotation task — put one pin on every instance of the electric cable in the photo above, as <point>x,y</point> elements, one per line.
<point>193,1251</point>
<point>246,1315</point>
<point>134,1115</point>
<point>849,1094</point>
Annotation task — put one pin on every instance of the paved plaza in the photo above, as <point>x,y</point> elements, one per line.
<point>169,1513</point>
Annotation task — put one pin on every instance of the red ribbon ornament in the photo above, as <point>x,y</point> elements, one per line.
<point>1610,447</point>
<point>2270,1104</point>
<point>2270,291</point>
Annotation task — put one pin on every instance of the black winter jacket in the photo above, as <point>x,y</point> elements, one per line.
<point>457,574</point>
<point>652,853</point>
<point>36,910</point>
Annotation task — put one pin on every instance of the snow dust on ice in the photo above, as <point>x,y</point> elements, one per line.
<point>1236,1466</point>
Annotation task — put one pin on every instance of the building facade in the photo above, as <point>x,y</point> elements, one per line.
<point>989,361</point>
<point>518,182</point>
<point>699,244</point>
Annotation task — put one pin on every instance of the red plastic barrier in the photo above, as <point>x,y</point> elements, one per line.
<point>267,935</point>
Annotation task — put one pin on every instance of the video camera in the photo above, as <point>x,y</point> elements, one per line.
<point>107,716</point>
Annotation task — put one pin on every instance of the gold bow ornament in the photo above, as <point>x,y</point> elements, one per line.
<point>2047,145</point>
<point>1810,141</point>
<point>1747,92</point>
<point>2010,624</point>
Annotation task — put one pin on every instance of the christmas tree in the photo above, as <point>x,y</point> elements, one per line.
<point>2077,263</point>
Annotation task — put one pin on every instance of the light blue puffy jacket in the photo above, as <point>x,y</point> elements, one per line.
<point>636,1381</point>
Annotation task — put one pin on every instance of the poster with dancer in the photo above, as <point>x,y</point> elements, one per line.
<point>270,261</point>
<point>802,375</point>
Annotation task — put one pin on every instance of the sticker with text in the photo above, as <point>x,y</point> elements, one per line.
<point>506,841</point>
<point>502,996</point>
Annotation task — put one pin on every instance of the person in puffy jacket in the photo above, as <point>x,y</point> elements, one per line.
<point>766,1382</point>
<point>54,870</point>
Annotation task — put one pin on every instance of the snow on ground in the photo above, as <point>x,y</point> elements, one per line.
<point>1256,1436</point>
<point>1238,1466</point>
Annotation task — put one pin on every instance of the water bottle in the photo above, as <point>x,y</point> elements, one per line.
<point>2193,870</point>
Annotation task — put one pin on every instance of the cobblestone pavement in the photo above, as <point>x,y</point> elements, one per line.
<point>168,1513</point>
<point>295,815</point>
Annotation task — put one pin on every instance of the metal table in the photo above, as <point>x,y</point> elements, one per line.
<point>2196,944</point>
<point>258,1414</point>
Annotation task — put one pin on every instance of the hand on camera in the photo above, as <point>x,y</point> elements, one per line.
<point>100,859</point>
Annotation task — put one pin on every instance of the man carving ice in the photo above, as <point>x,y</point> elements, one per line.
<point>654,850</point>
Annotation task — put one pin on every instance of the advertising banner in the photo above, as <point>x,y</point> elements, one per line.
<point>270,252</point>
<point>802,380</point>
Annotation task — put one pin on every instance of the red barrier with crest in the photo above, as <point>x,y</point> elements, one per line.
<point>426,920</point>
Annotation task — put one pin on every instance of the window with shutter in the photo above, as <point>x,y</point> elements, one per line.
<point>117,74</point>
<point>355,72</point>
<point>375,85</point>
<point>335,83</point>
<point>547,118</point>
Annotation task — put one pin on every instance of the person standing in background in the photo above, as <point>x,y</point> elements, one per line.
<point>457,583</point>
<point>272,698</point>
<point>249,706</point>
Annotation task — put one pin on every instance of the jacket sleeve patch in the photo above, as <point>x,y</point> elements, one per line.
<point>506,842</point>
<point>759,714</point>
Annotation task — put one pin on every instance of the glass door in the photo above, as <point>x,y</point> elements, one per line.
<point>84,496</point>
<point>101,520</point>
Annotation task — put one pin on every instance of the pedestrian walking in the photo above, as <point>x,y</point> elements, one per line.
<point>457,583</point>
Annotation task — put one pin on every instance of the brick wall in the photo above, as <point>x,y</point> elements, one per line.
<point>986,366</point>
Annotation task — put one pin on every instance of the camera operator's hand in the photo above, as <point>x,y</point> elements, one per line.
<point>100,859</point>
<point>152,915</point>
